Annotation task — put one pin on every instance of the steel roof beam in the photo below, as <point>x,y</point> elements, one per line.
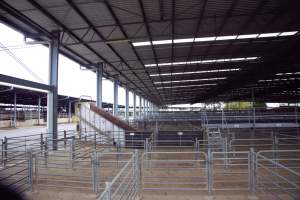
<point>50,16</point>
<point>78,11</point>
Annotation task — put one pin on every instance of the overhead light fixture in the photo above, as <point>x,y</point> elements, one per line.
<point>203,61</point>
<point>197,72</point>
<point>191,80</point>
<point>184,86</point>
<point>216,38</point>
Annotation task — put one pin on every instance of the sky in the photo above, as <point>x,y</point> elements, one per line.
<point>72,81</point>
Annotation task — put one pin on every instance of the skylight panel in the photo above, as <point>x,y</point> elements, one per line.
<point>205,39</point>
<point>164,64</point>
<point>184,86</point>
<point>251,58</point>
<point>218,38</point>
<point>204,61</point>
<point>197,72</point>
<point>290,33</point>
<point>191,80</point>
<point>249,36</point>
<point>186,40</point>
<point>157,42</point>
<point>227,37</point>
<point>264,35</point>
<point>137,44</point>
<point>150,65</point>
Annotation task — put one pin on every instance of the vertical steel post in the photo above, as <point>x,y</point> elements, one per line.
<point>95,164</point>
<point>42,142</point>
<point>95,141</point>
<point>115,104</point>
<point>252,174</point>
<point>15,109</point>
<point>46,151</point>
<point>39,110</point>
<point>5,150</point>
<point>30,169</point>
<point>134,106</point>
<point>108,190</point>
<point>136,171</point>
<point>99,74</point>
<point>52,95</point>
<point>65,139</point>
<point>140,107</point>
<point>127,103</point>
<point>70,111</point>
<point>72,151</point>
<point>209,170</point>
<point>144,108</point>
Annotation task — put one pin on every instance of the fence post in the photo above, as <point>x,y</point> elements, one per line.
<point>95,141</point>
<point>226,151</point>
<point>65,139</point>
<point>5,150</point>
<point>252,174</point>
<point>42,142</point>
<point>137,171</point>
<point>108,190</point>
<point>209,170</point>
<point>36,168</point>
<point>95,164</point>
<point>46,151</point>
<point>196,149</point>
<point>30,169</point>
<point>72,151</point>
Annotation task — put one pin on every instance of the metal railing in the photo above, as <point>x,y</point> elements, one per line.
<point>174,171</point>
<point>125,185</point>
<point>17,173</point>
<point>278,175</point>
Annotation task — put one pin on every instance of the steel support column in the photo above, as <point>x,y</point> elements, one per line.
<point>15,110</point>
<point>140,108</point>
<point>115,103</point>
<point>127,103</point>
<point>52,95</point>
<point>134,106</point>
<point>99,74</point>
<point>144,110</point>
<point>39,110</point>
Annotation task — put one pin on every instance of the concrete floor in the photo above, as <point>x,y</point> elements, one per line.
<point>22,131</point>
